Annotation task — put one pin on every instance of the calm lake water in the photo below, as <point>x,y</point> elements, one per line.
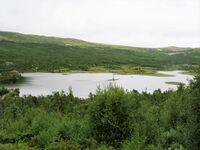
<point>83,83</point>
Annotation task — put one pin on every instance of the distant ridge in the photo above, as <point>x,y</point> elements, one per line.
<point>20,37</point>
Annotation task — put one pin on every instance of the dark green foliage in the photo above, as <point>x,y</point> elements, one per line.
<point>110,119</point>
<point>3,91</point>
<point>10,77</point>
<point>194,124</point>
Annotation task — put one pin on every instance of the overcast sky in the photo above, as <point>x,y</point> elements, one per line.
<point>146,23</point>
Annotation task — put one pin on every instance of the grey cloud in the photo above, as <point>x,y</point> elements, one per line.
<point>144,23</point>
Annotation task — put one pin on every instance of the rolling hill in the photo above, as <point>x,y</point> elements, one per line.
<point>52,54</point>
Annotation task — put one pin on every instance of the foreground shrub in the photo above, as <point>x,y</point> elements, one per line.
<point>110,117</point>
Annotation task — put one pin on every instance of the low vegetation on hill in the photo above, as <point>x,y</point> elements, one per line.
<point>31,53</point>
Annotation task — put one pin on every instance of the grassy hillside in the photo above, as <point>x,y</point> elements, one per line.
<point>40,53</point>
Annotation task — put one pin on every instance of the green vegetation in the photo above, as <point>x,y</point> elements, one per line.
<point>10,77</point>
<point>193,73</point>
<point>111,119</point>
<point>174,83</point>
<point>31,53</point>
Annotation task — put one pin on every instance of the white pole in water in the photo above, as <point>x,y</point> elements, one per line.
<point>113,77</point>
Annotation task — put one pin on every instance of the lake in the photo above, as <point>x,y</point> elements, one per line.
<point>83,83</point>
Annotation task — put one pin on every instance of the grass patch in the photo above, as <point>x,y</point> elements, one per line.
<point>192,73</point>
<point>174,83</point>
<point>123,70</point>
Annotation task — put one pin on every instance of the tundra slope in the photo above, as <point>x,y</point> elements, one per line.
<point>28,53</point>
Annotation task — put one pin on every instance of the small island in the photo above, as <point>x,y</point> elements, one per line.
<point>174,83</point>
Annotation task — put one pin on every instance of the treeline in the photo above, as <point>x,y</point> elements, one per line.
<point>10,77</point>
<point>111,119</point>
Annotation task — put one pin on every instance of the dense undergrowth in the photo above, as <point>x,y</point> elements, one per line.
<point>111,119</point>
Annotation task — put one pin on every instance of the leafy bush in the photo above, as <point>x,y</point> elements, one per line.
<point>110,117</point>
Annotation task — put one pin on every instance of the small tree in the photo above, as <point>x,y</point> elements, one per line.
<point>110,117</point>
